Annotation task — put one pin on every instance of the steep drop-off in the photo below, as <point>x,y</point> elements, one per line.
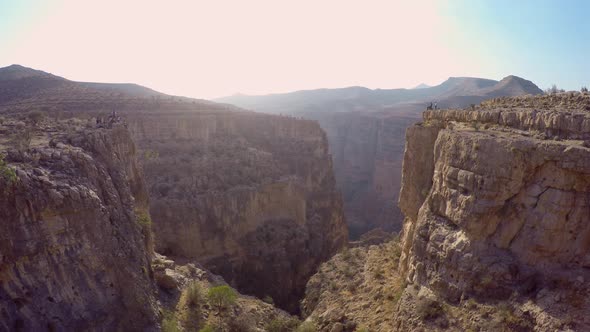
<point>497,205</point>
<point>250,196</point>
<point>366,130</point>
<point>73,253</point>
<point>496,236</point>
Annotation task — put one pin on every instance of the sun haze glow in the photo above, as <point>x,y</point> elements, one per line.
<point>213,48</point>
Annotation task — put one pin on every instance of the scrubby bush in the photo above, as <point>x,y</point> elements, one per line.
<point>429,309</point>
<point>306,327</point>
<point>268,299</point>
<point>21,140</point>
<point>169,322</point>
<point>6,173</point>
<point>194,294</point>
<point>222,297</point>
<point>282,325</point>
<point>36,117</point>
<point>584,89</point>
<point>241,324</point>
<point>208,328</point>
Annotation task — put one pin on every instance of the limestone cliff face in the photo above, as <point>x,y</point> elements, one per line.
<point>73,255</point>
<point>497,201</point>
<point>250,196</point>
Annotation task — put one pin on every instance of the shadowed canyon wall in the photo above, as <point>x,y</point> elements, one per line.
<point>250,196</point>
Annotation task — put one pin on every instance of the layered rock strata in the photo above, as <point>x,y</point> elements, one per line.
<point>75,245</point>
<point>497,204</point>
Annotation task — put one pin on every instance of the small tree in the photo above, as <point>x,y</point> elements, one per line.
<point>194,294</point>
<point>7,173</point>
<point>222,297</point>
<point>36,117</point>
<point>22,139</point>
<point>584,89</point>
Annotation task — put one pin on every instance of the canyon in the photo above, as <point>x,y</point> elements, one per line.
<point>123,209</point>
<point>250,196</point>
<point>366,135</point>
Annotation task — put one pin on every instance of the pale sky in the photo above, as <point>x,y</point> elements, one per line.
<point>207,49</point>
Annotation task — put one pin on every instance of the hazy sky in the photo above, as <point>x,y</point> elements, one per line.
<point>214,48</point>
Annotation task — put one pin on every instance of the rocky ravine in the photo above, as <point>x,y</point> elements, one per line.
<point>496,235</point>
<point>73,253</point>
<point>250,196</point>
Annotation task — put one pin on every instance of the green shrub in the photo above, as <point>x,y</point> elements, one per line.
<point>306,327</point>
<point>241,324</point>
<point>208,328</point>
<point>21,140</point>
<point>36,117</point>
<point>222,297</point>
<point>169,322</point>
<point>268,299</point>
<point>143,219</point>
<point>429,309</point>
<point>282,325</point>
<point>194,294</point>
<point>7,173</point>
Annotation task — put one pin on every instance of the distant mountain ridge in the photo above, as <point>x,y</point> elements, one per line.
<point>422,86</point>
<point>23,88</point>
<point>469,89</point>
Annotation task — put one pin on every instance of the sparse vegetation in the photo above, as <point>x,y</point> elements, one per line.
<point>21,140</point>
<point>6,172</point>
<point>427,309</point>
<point>169,322</point>
<point>282,325</point>
<point>553,90</point>
<point>143,219</point>
<point>194,294</point>
<point>306,327</point>
<point>241,324</point>
<point>208,328</point>
<point>222,297</point>
<point>584,89</point>
<point>268,299</point>
<point>36,117</point>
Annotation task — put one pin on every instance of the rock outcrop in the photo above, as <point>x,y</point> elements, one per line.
<point>250,196</point>
<point>496,236</point>
<point>75,246</point>
<point>496,200</point>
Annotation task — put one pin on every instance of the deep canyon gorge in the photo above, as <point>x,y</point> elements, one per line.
<point>117,201</point>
